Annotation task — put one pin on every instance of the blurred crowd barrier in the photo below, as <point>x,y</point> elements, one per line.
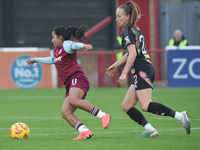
<point>174,67</point>
<point>183,66</point>
<point>15,73</point>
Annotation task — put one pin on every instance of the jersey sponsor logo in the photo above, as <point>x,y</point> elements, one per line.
<point>58,59</point>
<point>25,76</point>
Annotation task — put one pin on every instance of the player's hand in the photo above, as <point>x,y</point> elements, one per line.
<point>87,47</point>
<point>111,70</point>
<point>30,61</point>
<point>122,80</point>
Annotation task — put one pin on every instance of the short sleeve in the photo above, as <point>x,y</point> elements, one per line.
<point>128,36</point>
<point>67,45</point>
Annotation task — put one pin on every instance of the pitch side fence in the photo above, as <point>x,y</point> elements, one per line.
<point>16,74</point>
<point>96,63</point>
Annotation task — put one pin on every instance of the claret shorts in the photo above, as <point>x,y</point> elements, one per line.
<point>78,80</point>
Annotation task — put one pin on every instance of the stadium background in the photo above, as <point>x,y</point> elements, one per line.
<point>26,24</point>
<point>25,30</point>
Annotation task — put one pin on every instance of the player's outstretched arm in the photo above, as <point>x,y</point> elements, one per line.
<point>80,46</point>
<point>30,61</point>
<point>45,60</point>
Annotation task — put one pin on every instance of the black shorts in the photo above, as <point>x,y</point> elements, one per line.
<point>144,79</point>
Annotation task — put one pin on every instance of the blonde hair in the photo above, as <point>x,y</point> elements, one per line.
<point>132,9</point>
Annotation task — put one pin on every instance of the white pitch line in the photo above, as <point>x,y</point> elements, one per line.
<point>153,118</point>
<point>32,97</point>
<point>112,128</point>
<point>105,132</point>
<point>43,97</point>
<point>16,117</point>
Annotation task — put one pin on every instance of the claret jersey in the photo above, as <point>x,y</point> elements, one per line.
<point>66,63</point>
<point>134,36</point>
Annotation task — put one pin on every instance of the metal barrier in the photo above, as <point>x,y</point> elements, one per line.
<point>95,64</point>
<point>159,61</point>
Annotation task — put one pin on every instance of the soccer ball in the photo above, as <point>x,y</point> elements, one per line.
<point>19,131</point>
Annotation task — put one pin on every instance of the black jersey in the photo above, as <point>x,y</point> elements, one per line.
<point>134,36</point>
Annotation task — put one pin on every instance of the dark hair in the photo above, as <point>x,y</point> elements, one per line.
<point>78,32</point>
<point>133,10</point>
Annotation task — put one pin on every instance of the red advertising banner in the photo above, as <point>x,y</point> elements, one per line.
<point>14,73</point>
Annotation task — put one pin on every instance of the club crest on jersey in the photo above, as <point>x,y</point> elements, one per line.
<point>127,40</point>
<point>56,52</point>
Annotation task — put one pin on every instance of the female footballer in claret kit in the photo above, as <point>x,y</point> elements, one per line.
<point>72,76</point>
<point>138,62</point>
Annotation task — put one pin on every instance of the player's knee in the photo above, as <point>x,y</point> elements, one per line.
<point>124,108</point>
<point>65,115</point>
<point>73,102</point>
<point>144,108</point>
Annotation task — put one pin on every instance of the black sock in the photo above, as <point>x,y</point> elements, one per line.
<point>137,116</point>
<point>159,109</point>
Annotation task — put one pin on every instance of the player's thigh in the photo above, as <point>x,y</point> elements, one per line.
<point>130,99</point>
<point>144,97</point>
<point>76,93</point>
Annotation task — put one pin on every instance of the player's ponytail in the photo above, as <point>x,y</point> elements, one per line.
<point>132,9</point>
<point>77,31</point>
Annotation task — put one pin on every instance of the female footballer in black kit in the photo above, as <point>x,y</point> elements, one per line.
<point>138,62</point>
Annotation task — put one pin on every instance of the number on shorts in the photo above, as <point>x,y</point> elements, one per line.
<point>135,80</point>
<point>74,81</point>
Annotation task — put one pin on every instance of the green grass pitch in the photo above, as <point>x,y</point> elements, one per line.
<point>40,109</point>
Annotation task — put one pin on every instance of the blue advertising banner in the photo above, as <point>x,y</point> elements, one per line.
<point>183,68</point>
